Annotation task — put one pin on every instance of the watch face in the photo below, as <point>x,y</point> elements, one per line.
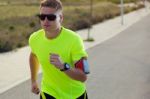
<point>67,66</point>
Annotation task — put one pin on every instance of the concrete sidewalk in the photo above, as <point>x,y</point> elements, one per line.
<point>14,65</point>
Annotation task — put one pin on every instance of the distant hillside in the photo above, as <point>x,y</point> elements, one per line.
<point>18,18</point>
<point>64,1</point>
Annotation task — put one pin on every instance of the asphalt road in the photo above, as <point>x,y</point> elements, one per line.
<point>120,67</point>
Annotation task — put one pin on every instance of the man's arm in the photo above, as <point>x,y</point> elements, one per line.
<point>34,68</point>
<point>76,74</point>
<point>73,73</point>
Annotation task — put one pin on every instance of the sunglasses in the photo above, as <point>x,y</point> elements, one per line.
<point>50,17</point>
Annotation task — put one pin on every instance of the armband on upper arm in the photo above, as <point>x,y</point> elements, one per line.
<point>83,65</point>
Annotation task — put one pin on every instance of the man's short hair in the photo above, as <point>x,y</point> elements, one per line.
<point>56,4</point>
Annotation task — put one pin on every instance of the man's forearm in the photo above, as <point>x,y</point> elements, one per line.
<point>76,74</point>
<point>73,73</point>
<point>34,67</point>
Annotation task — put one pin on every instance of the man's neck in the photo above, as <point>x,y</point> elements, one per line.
<point>53,34</point>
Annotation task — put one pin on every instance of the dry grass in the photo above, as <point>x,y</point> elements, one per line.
<point>18,22</point>
<point>11,11</point>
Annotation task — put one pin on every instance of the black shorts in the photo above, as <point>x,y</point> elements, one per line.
<point>47,96</point>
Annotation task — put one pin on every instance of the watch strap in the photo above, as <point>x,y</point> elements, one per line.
<point>66,67</point>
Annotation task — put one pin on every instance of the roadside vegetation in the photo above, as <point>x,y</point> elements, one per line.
<point>18,18</point>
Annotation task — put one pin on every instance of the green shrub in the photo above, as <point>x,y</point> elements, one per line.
<point>5,46</point>
<point>11,28</point>
<point>20,44</point>
<point>32,24</point>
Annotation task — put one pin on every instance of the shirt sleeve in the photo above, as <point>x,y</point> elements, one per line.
<point>31,43</point>
<point>78,50</point>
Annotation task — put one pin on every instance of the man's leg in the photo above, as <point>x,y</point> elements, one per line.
<point>46,96</point>
<point>83,96</point>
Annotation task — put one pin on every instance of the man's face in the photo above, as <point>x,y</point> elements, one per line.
<point>50,18</point>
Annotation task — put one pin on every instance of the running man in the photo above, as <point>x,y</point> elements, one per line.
<point>61,54</point>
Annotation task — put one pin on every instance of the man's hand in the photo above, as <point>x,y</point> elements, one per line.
<point>56,61</point>
<point>35,89</point>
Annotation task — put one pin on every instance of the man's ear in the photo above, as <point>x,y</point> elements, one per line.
<point>61,18</point>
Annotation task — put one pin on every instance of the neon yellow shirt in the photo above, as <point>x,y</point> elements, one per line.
<point>69,46</point>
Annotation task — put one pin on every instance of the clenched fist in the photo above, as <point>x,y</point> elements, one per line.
<point>35,89</point>
<point>56,61</point>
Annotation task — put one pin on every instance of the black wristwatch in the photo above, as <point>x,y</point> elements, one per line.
<point>66,67</point>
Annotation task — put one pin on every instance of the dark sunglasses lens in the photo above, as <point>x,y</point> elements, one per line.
<point>41,17</point>
<point>51,17</point>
